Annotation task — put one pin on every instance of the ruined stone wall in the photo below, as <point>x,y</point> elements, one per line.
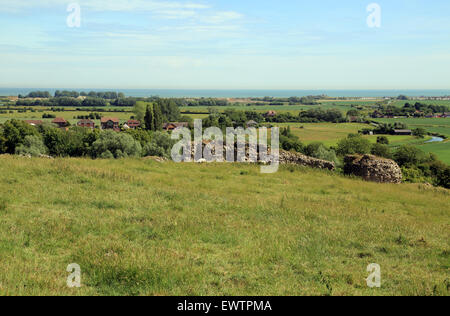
<point>372,168</point>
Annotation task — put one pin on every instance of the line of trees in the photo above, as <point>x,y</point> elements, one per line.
<point>17,137</point>
<point>74,94</point>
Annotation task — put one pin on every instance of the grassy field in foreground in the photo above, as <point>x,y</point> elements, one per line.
<point>138,227</point>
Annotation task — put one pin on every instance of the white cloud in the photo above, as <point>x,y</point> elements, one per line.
<point>102,5</point>
<point>222,17</point>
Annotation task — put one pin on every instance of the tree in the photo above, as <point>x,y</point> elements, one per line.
<point>353,144</point>
<point>381,150</point>
<point>382,140</point>
<point>13,135</point>
<point>419,132</point>
<point>148,120</point>
<point>157,117</point>
<point>56,141</point>
<point>139,110</point>
<point>409,156</point>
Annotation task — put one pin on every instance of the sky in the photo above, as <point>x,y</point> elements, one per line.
<point>225,44</point>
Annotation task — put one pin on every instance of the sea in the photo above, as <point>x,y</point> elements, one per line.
<point>206,93</point>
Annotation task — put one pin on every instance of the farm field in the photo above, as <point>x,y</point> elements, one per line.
<point>442,150</point>
<point>327,133</point>
<point>330,133</point>
<point>401,103</point>
<point>222,230</point>
<point>293,109</point>
<point>68,115</point>
<point>434,125</point>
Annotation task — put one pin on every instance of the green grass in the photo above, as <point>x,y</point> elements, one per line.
<point>293,109</point>
<point>327,133</point>
<point>442,150</point>
<point>401,103</point>
<point>433,125</point>
<point>138,227</point>
<point>68,115</point>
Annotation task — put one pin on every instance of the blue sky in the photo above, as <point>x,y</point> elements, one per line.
<point>225,44</point>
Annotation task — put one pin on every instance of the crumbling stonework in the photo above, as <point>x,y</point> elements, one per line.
<point>372,168</point>
<point>287,157</point>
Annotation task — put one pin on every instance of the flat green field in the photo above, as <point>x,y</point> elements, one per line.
<point>400,103</point>
<point>433,125</point>
<point>68,115</point>
<point>138,227</point>
<point>331,133</point>
<point>442,150</point>
<point>293,109</point>
<point>327,133</point>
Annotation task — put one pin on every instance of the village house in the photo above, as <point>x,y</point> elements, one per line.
<point>133,124</point>
<point>62,123</point>
<point>172,126</point>
<point>34,122</point>
<point>402,132</point>
<point>86,123</point>
<point>110,123</point>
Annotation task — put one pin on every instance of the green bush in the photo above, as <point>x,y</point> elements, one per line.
<point>160,145</point>
<point>13,135</point>
<point>319,151</point>
<point>32,146</point>
<point>443,178</point>
<point>414,175</point>
<point>381,150</point>
<point>118,145</point>
<point>409,156</point>
<point>383,140</point>
<point>353,144</point>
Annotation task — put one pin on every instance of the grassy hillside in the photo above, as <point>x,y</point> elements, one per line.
<point>141,227</point>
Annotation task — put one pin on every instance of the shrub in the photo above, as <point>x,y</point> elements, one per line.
<point>382,140</point>
<point>413,175</point>
<point>33,146</point>
<point>381,150</point>
<point>443,178</point>
<point>118,145</point>
<point>160,145</point>
<point>319,151</point>
<point>13,135</point>
<point>409,156</point>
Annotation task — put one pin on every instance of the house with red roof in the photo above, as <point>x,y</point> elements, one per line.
<point>62,123</point>
<point>86,123</point>
<point>133,124</point>
<point>34,122</point>
<point>110,123</point>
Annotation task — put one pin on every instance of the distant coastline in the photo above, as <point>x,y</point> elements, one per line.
<point>180,93</point>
